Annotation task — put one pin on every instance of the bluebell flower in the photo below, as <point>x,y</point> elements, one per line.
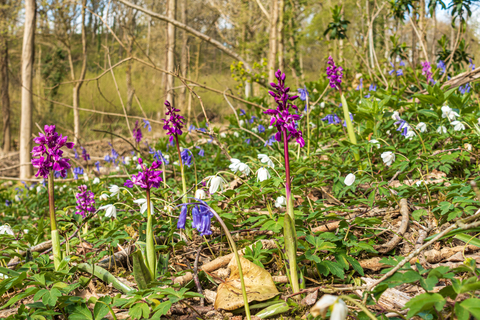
<point>399,72</point>
<point>441,65</point>
<point>76,153</point>
<point>182,218</point>
<point>252,119</point>
<point>464,89</point>
<point>373,87</point>
<point>107,158</point>
<point>247,141</point>
<point>147,124</point>
<point>360,86</point>
<point>332,119</point>
<point>393,70</point>
<point>270,141</point>
<point>402,63</point>
<point>303,93</point>
<point>203,130</point>
<point>186,157</point>
<point>77,171</point>
<point>57,174</point>
<point>97,164</point>
<point>132,153</point>
<point>201,153</point>
<point>191,127</point>
<point>471,65</point>
<point>403,126</point>
<point>242,112</point>
<point>261,128</point>
<point>8,203</point>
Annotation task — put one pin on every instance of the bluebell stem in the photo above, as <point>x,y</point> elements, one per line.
<point>202,215</point>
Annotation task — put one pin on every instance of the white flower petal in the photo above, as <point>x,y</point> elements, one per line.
<point>349,179</point>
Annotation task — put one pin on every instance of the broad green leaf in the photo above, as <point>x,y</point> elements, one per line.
<point>79,312</point>
<point>472,305</point>
<point>468,239</point>
<point>423,302</point>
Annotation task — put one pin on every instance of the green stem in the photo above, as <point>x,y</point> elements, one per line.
<point>237,258</point>
<point>105,276</point>
<point>184,184</point>
<point>149,239</point>
<point>308,127</point>
<point>350,130</point>
<point>57,254</point>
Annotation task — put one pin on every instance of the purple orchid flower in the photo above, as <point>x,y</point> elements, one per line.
<point>334,74</point>
<point>85,201</point>
<point>147,178</point>
<point>174,123</point>
<point>49,153</point>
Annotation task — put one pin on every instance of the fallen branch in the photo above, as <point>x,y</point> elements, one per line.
<point>401,230</point>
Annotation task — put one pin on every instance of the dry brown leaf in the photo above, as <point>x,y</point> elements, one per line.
<point>258,282</point>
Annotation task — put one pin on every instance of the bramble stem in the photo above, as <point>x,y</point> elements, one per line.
<point>149,240</point>
<point>57,254</point>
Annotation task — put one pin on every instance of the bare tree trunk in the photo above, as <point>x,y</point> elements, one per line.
<point>340,41</point>
<point>272,51</point>
<point>129,35</point>
<point>421,25</point>
<point>78,85</point>
<point>28,52</point>
<point>281,47</point>
<point>171,50</point>
<point>434,35</point>
<point>183,59</point>
<point>370,35</point>
<point>5,98</point>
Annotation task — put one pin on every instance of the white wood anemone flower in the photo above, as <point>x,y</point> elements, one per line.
<point>6,229</point>
<point>338,308</point>
<point>376,143</point>
<point>263,174</point>
<point>441,130</point>
<point>114,190</point>
<point>388,157</point>
<point>96,180</point>
<point>237,165</point>
<point>281,202</point>
<point>110,210</point>
<point>214,183</point>
<point>266,159</point>
<point>103,197</point>
<point>200,194</point>
<point>422,127</point>
<point>349,179</point>
<point>143,205</point>
<point>457,125</point>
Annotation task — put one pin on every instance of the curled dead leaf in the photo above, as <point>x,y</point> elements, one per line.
<point>258,282</point>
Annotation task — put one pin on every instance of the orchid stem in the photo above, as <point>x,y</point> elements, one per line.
<point>149,239</point>
<point>57,254</point>
<point>184,184</point>
<point>290,234</point>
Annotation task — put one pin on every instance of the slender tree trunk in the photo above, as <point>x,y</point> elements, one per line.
<point>281,47</point>
<point>272,52</point>
<point>434,35</point>
<point>370,35</point>
<point>78,85</point>
<point>340,41</point>
<point>28,52</point>
<point>129,36</point>
<point>5,98</point>
<point>171,50</point>
<point>184,55</point>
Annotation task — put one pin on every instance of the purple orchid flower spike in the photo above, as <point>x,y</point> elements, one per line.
<point>49,153</point>
<point>137,132</point>
<point>334,74</point>
<point>174,123</point>
<point>147,178</point>
<point>427,71</point>
<point>283,120</point>
<point>85,201</point>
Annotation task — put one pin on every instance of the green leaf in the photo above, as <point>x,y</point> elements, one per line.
<point>401,278</point>
<point>273,310</point>
<point>472,305</point>
<point>312,257</point>
<point>100,309</point>
<point>140,271</point>
<point>50,298</point>
<point>423,302</point>
<point>468,239</point>
<point>356,265</point>
<point>428,113</point>
<point>79,312</point>
<point>429,283</point>
<point>332,267</point>
<point>162,309</point>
